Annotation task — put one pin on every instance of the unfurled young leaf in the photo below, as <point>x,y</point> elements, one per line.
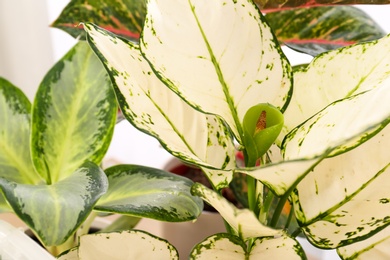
<point>147,192</point>
<point>319,29</point>
<point>55,211</point>
<point>235,64</point>
<point>153,108</point>
<point>74,115</point>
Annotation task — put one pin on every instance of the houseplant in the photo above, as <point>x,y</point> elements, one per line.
<point>51,149</point>
<point>335,115</point>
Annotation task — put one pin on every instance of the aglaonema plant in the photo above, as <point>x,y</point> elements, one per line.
<point>207,74</point>
<point>51,151</point>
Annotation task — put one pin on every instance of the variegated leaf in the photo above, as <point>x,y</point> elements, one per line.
<point>336,75</point>
<point>74,115</point>
<point>346,198</point>
<point>15,128</point>
<point>227,246</point>
<point>319,29</point>
<point>123,17</point>
<point>55,211</point>
<point>147,192</point>
<point>375,247</point>
<point>132,244</point>
<point>148,104</point>
<point>276,5</point>
<point>242,221</point>
<point>194,48</point>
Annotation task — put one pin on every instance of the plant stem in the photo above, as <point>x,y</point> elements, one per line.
<point>278,210</point>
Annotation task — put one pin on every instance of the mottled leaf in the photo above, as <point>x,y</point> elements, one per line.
<point>332,202</point>
<point>74,114</point>
<point>15,117</point>
<point>148,104</point>
<point>243,221</point>
<point>147,192</point>
<point>55,211</point>
<point>319,29</point>
<point>193,47</point>
<point>123,17</point>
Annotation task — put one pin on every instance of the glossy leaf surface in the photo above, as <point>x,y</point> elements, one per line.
<point>194,49</point>
<point>147,192</point>
<point>123,17</point>
<point>130,244</point>
<point>319,29</point>
<point>74,114</point>
<point>148,104</point>
<point>55,211</point>
<point>242,221</point>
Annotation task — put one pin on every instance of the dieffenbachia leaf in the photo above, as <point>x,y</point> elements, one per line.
<point>227,246</point>
<point>336,75</point>
<point>123,17</point>
<point>331,202</point>
<point>221,58</point>
<point>243,221</point>
<point>74,115</point>
<point>15,117</point>
<point>147,192</point>
<point>148,104</point>
<point>55,211</point>
<point>319,29</point>
<point>131,244</point>
<point>375,247</point>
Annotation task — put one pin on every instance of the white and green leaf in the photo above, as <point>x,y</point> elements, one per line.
<point>337,75</point>
<point>55,211</point>
<point>331,202</point>
<point>15,128</point>
<point>148,104</point>
<point>132,244</point>
<point>220,57</point>
<point>74,114</point>
<point>374,247</point>
<point>147,192</point>
<point>242,221</point>
<point>227,246</point>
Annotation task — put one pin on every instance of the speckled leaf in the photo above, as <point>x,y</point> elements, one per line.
<point>123,17</point>
<point>193,47</point>
<point>337,74</point>
<point>74,114</point>
<point>335,213</point>
<point>227,246</point>
<point>375,247</point>
<point>147,192</point>
<point>276,5</point>
<point>148,104</point>
<point>130,244</point>
<point>318,29</point>
<point>55,211</point>
<point>242,221</point>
